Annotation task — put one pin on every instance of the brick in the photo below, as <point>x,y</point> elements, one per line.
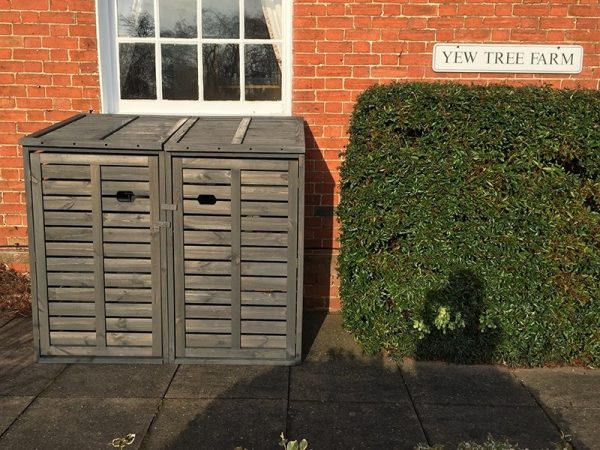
<point>419,10</point>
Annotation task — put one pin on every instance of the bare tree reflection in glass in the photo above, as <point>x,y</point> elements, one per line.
<point>221,68</point>
<point>137,71</point>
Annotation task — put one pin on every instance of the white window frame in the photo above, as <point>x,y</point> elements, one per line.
<point>106,26</point>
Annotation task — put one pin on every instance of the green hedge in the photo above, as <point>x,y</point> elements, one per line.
<point>470,222</point>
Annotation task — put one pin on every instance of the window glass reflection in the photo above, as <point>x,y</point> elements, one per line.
<point>179,72</point>
<point>135,18</point>
<point>262,72</point>
<point>178,18</point>
<point>262,19</point>
<point>220,19</point>
<point>137,71</point>
<point>221,68</point>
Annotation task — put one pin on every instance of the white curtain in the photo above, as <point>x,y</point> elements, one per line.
<point>272,13</point>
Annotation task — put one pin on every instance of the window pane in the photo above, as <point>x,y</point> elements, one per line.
<point>178,18</point>
<point>262,19</point>
<point>138,75</point>
<point>179,72</point>
<point>263,72</point>
<point>221,64</point>
<point>220,19</point>
<point>136,18</point>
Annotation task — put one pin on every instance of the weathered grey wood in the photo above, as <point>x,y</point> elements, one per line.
<point>264,254</point>
<point>137,187</point>
<point>208,297</point>
<point>209,253</point>
<point>207,237</point>
<point>253,223</point>
<point>220,208</point>
<point>256,238</point>
<point>292,260</point>
<point>156,256</point>
<point>69,158</point>
<point>96,188</point>
<point>64,187</point>
<point>72,338</point>
<point>67,218</point>
<point>73,354</point>
<point>127,250</point>
<point>208,312</point>
<point>207,326</point>
<point>183,129</point>
<point>264,284</point>
<point>70,264</point>
<point>81,234</point>
<point>80,249</point>
<point>263,341</point>
<point>179,253</point>
<point>129,310</point>
<point>67,203</point>
<point>221,192</point>
<point>264,313</point>
<point>233,163</point>
<point>66,172</point>
<point>236,258</point>
<point>128,295</point>
<point>132,266</point>
<point>265,208</point>
<point>125,173</point>
<point>238,137</point>
<point>267,178</point>
<point>129,324</point>
<point>265,193</point>
<point>75,309</point>
<point>139,204</point>
<point>208,282</point>
<point>206,176</point>
<point>217,223</point>
<point>32,139</point>
<point>300,259</point>
<point>131,235</point>
<point>207,268</point>
<point>264,298</point>
<point>263,327</point>
<point>241,356</point>
<point>70,294</point>
<point>70,279</point>
<point>72,324</point>
<point>208,340</point>
<point>126,220</point>
<point>129,339</point>
<point>265,269</point>
<point>125,280</point>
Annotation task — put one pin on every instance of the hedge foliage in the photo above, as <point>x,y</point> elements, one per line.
<point>470,221</point>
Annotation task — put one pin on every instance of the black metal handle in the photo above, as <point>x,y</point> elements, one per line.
<point>125,196</point>
<point>207,199</point>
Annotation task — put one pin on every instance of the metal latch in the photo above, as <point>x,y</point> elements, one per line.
<point>168,207</point>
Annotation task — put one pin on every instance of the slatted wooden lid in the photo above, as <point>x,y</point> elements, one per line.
<point>239,134</point>
<point>109,131</point>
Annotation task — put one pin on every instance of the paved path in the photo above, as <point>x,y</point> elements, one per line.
<point>337,399</point>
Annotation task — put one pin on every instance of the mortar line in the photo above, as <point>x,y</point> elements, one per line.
<point>541,406</point>
<point>159,407</point>
<point>412,402</point>
<point>33,400</point>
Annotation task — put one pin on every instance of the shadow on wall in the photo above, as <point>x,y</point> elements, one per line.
<point>320,277</point>
<point>452,314</point>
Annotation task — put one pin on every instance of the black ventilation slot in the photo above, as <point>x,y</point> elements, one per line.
<point>125,196</point>
<point>206,199</point>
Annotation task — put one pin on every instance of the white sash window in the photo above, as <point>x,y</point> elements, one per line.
<point>218,57</point>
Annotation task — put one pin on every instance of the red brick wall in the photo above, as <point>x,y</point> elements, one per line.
<point>48,70</point>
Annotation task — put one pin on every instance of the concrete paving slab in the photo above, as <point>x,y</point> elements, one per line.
<point>223,381</point>
<point>16,346</point>
<point>341,425</point>
<point>86,423</point>
<point>10,409</point>
<point>31,380</point>
<point>112,380</point>
<point>563,387</point>
<point>524,425</point>
<point>217,424</point>
<point>4,319</point>
<point>440,383</point>
<point>582,424</point>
